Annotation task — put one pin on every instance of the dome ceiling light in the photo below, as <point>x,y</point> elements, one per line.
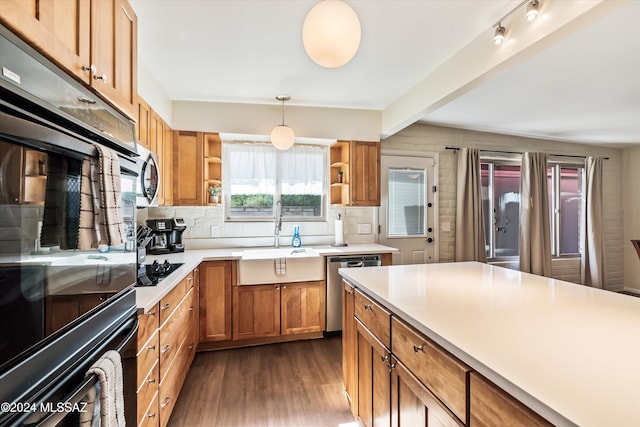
<point>282,136</point>
<point>331,33</point>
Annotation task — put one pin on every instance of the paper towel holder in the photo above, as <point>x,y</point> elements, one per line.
<point>336,244</point>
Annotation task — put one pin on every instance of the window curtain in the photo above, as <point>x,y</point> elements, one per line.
<point>302,170</point>
<point>470,240</point>
<point>592,259</point>
<point>535,233</point>
<point>253,166</point>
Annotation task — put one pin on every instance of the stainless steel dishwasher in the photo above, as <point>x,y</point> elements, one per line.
<point>334,284</point>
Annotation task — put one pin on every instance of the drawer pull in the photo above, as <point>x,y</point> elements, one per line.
<point>191,346</point>
<point>165,349</point>
<point>384,358</point>
<point>350,292</point>
<point>392,366</point>
<point>151,380</point>
<point>151,313</point>
<point>417,348</point>
<point>165,306</point>
<point>151,347</point>
<point>190,278</point>
<point>166,402</point>
<point>151,415</point>
<point>191,308</point>
<point>367,306</point>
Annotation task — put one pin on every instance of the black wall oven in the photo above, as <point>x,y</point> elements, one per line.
<point>62,304</point>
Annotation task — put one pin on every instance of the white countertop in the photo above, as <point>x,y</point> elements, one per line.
<point>147,297</point>
<point>570,352</point>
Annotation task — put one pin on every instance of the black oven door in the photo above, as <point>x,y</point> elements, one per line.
<point>50,387</point>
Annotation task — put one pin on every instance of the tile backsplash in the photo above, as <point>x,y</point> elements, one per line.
<point>206,227</point>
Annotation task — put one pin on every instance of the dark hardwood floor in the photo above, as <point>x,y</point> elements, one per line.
<point>289,384</point>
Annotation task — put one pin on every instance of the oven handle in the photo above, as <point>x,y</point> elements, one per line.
<point>73,398</point>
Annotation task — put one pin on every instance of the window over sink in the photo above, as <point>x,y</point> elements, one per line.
<point>257,175</point>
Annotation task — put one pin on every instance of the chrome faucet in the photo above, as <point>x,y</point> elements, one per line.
<point>278,225</point>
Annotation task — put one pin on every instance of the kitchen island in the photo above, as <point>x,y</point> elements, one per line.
<point>568,352</point>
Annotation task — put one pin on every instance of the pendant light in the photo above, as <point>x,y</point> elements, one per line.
<point>331,33</point>
<point>282,136</point>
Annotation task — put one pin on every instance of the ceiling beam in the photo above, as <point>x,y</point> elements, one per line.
<point>481,60</point>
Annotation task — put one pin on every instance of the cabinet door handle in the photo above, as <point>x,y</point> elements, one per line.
<point>350,292</point>
<point>166,402</point>
<point>392,366</point>
<point>151,415</point>
<point>277,288</point>
<point>165,306</point>
<point>190,308</point>
<point>92,69</point>
<point>191,346</point>
<point>151,347</point>
<point>384,358</point>
<point>151,313</point>
<point>151,380</point>
<point>367,306</point>
<point>417,348</point>
<point>165,349</point>
<point>102,77</point>
<point>284,286</point>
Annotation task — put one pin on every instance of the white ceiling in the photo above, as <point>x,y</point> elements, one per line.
<point>583,87</point>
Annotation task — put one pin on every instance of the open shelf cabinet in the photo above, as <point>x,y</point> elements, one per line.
<point>212,165</point>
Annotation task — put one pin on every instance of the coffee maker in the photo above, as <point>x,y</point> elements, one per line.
<point>166,236</point>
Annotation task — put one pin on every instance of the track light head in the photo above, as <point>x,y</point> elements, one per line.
<point>498,36</point>
<point>532,10</point>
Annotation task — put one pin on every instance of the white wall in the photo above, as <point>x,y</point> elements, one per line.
<point>631,190</point>
<point>259,119</point>
<point>152,92</point>
<point>427,138</point>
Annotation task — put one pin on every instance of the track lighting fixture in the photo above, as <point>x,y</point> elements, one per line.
<point>532,10</point>
<point>498,36</point>
<point>533,7</point>
<point>282,136</point>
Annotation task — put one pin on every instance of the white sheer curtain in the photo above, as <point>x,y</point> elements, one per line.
<point>470,237</point>
<point>535,233</point>
<point>302,170</point>
<point>249,168</point>
<point>592,259</point>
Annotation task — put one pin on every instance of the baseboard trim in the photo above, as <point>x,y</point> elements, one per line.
<point>631,290</point>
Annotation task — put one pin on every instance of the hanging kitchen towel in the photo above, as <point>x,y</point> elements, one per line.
<point>280,266</point>
<point>100,203</point>
<point>108,369</point>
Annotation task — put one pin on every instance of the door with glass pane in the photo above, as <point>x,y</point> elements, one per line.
<point>408,208</point>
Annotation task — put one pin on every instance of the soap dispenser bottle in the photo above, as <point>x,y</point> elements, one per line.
<point>296,242</point>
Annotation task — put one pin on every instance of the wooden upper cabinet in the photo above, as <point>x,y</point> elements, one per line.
<point>114,41</point>
<point>365,173</point>
<point>167,166</point>
<point>58,29</point>
<point>354,173</point>
<point>187,168</point>
<point>95,41</point>
<point>142,123</point>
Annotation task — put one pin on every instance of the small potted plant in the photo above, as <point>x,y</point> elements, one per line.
<point>214,193</point>
<point>340,175</point>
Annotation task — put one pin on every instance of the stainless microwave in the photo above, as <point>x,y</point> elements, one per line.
<point>147,185</point>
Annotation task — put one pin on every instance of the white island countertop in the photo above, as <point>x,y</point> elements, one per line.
<point>147,297</point>
<point>570,352</point>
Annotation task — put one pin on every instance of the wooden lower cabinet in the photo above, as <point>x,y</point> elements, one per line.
<point>215,300</point>
<point>261,311</point>
<point>413,404</point>
<point>167,341</point>
<point>374,379</point>
<point>492,406</point>
<point>303,307</point>
<point>349,346</point>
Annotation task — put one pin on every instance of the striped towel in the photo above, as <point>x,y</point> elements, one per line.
<point>108,395</point>
<point>100,201</point>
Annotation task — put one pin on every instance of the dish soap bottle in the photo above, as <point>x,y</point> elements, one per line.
<point>296,242</point>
